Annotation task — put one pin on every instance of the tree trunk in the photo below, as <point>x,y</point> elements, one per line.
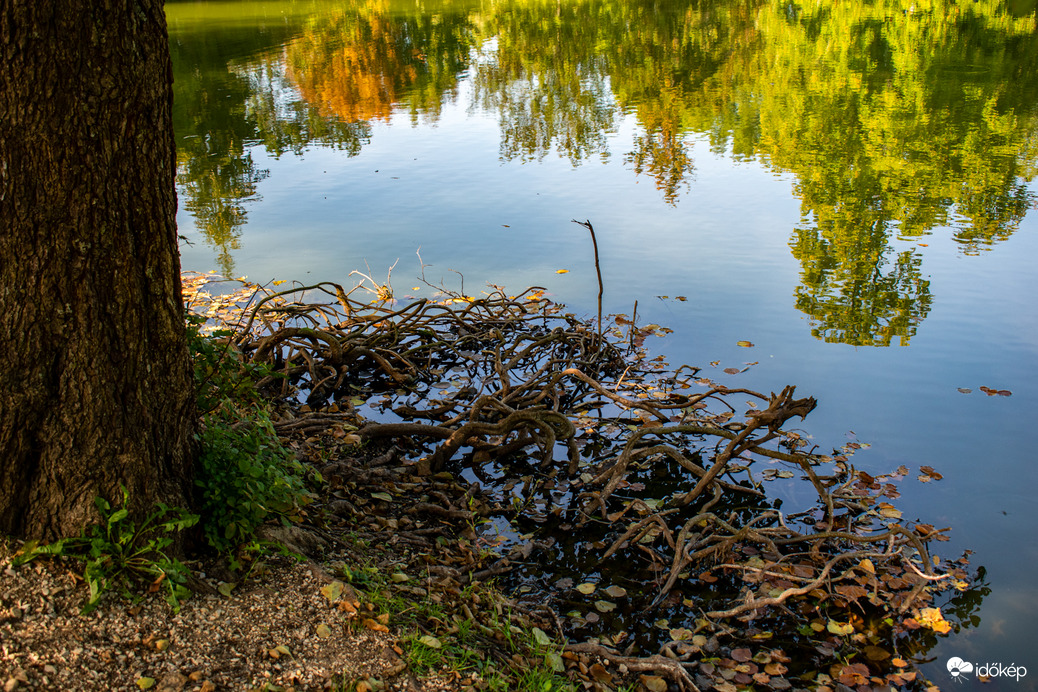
<point>95,382</point>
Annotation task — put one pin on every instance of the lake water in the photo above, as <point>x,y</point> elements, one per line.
<point>850,188</point>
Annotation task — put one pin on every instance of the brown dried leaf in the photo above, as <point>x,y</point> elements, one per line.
<point>599,672</point>
<point>741,655</point>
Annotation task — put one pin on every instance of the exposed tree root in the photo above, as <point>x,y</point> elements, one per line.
<point>556,418</point>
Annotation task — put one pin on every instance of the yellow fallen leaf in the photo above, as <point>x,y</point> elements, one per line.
<point>888,511</point>
<point>932,618</point>
<point>840,628</point>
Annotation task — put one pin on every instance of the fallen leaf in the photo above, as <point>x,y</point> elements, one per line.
<point>874,653</point>
<point>598,672</point>
<point>680,634</point>
<point>653,683</point>
<point>145,683</point>
<point>587,588</point>
<point>741,655</point>
<point>932,618</point>
<point>840,629</point>
<point>430,641</point>
<point>324,631</point>
<point>888,511</point>
<point>540,638</point>
<point>615,591</point>
<point>333,591</point>
<point>604,606</point>
<point>376,626</point>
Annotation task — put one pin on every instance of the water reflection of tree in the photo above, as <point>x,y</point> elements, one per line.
<point>538,69</point>
<point>364,60</point>
<point>230,96</point>
<point>895,122</point>
<point>891,134</point>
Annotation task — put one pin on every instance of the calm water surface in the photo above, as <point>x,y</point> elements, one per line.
<point>850,188</point>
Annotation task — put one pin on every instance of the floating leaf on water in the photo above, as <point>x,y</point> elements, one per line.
<point>744,344</point>
<point>932,618</point>
<point>874,653</point>
<point>964,390</point>
<point>587,588</point>
<point>604,606</point>
<point>615,591</point>
<point>930,473</point>
<point>562,271</point>
<point>592,617</point>
<point>564,583</point>
<point>888,511</point>
<point>732,371</point>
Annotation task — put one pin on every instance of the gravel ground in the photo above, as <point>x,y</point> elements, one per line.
<point>265,636</point>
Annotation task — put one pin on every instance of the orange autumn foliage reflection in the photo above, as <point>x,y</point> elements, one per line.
<point>360,63</point>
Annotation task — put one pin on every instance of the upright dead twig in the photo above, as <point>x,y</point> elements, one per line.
<point>601,288</point>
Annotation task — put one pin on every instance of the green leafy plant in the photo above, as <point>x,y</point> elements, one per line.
<point>118,551</point>
<point>219,370</point>
<point>246,477</point>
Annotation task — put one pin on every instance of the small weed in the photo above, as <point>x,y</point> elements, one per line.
<point>117,551</point>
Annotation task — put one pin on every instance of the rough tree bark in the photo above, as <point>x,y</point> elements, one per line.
<point>95,385</point>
